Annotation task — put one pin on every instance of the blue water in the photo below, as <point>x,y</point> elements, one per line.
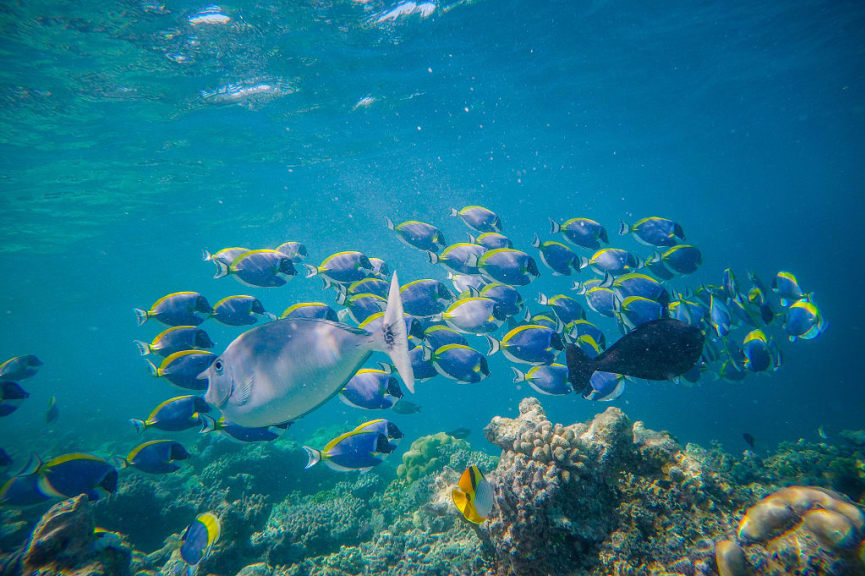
<point>743,122</point>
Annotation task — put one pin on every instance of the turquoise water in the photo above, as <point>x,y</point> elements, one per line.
<point>119,164</point>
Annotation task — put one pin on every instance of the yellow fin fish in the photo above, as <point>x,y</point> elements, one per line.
<point>474,496</point>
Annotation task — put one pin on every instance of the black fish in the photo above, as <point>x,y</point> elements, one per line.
<point>5,460</point>
<point>405,407</point>
<point>460,433</point>
<point>657,350</point>
<point>749,439</point>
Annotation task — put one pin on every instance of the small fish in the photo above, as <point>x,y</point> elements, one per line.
<point>419,235</point>
<point>546,321</point>
<point>156,457</point>
<point>589,345</point>
<point>529,344</point>
<point>728,281</point>
<point>760,354</point>
<point>658,350</point>
<point>261,268</point>
<point>11,396</point>
<point>183,368</point>
<point>636,310</point>
<point>238,310</point>
<point>371,285</point>
<point>355,450</point>
<point>459,433</point>
<point>636,284</point>
<point>602,300</point>
<point>506,265</point>
<point>174,414</point>
<point>226,256</point>
<point>786,286</point>
<point>463,282</point>
<point>687,311</point>
<point>294,250</point>
<point>175,339</point>
<point>757,297</point>
<point>804,321</point>
<point>551,379</point>
<point>579,328</point>
<point>480,218</point>
<point>654,231</point>
<point>198,540</point>
<point>22,490</point>
<point>177,309</point>
<point>437,336</point>
<point>473,496</point>
<point>52,413</point>
<point>310,310</point>
<point>406,407</point>
<point>491,240</point>
<point>508,298</point>
<point>821,432</point>
<point>457,362</point>
<point>605,387</point>
<point>359,307</point>
<point>682,259</point>
<point>20,367</point>
<point>380,269</point>
<point>422,369</point>
<point>241,433</point>
<point>613,261</point>
<point>457,257</point>
<point>719,316</point>
<point>557,257</point>
<point>390,430</point>
<point>566,309</point>
<point>581,232</point>
<point>69,475</point>
<point>342,268</point>
<point>371,389</point>
<point>474,315</point>
<point>5,459</point>
<point>424,298</point>
<point>264,376</point>
<point>654,264</point>
<point>749,440</point>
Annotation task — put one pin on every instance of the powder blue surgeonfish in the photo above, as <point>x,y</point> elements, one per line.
<point>65,476</point>
<point>551,379</point>
<point>605,387</point>
<point>359,307</point>
<point>20,367</point>
<point>719,316</point>
<point>371,389</point>
<point>310,310</point>
<point>636,284</point>
<point>681,259</point>
<point>566,309</point>
<point>581,232</point>
<point>294,250</point>
<point>11,396</point>
<point>226,256</point>
<point>177,309</point>
<point>198,541</point>
<point>371,285</point>
<point>380,269</point>
<point>342,268</point>
<point>238,310</point>
<point>263,268</point>
<point>654,231</point>
<point>422,368</point>
<point>437,336</point>
<point>419,235</point>
<point>760,354</point>
<point>156,457</point>
<point>579,328</point>
<point>602,300</point>
<point>175,339</point>
<point>492,240</point>
<point>480,218</point>
<point>424,298</point>
<point>461,258</point>
<point>390,430</point>
<point>529,344</point>
<point>264,376</point>
<point>183,368</point>
<point>457,362</point>
<point>557,257</point>
<point>804,321</point>
<point>463,282</point>
<point>474,315</point>
<point>174,415</point>
<point>242,433</point>
<point>359,449</point>
<point>786,286</point>
<point>506,265</point>
<point>636,310</point>
<point>613,261</point>
<point>509,299</point>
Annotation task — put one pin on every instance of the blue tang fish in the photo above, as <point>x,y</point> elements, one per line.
<point>263,268</point>
<point>786,286</point>
<point>342,268</point>
<point>225,256</point>
<point>491,240</point>
<point>804,321</point>
<point>509,299</point>
<point>419,235</point>
<point>682,259</point>
<point>174,414</point>
<point>636,284</point>
<point>371,389</point>
<point>294,250</point>
<point>310,310</point>
<point>551,379</point>
<point>474,315</point>
<point>359,307</point>
<point>579,328</point>
<point>183,368</point>
<point>156,456</point>
<point>461,257</point>
<point>602,300</point>
<point>177,309</point>
<point>567,309</point>
<point>720,316</point>
<point>457,362</point>
<point>371,285</point>
<point>760,354</point>
<point>422,368</point>
<point>20,367</point>
<point>654,231</point>
<point>198,540</point>
<point>175,339</point>
<point>424,298</point>
<point>438,335</point>
<point>264,375</point>
<point>557,257</point>
<point>506,265</point>
<point>238,310</point>
<point>480,218</point>
<point>604,387</point>
<point>581,232</point>
<point>529,344</point>
<point>357,449</point>
<point>613,261</point>
<point>242,433</point>
<point>636,310</point>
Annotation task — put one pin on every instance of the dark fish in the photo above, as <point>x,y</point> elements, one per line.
<point>657,350</point>
<point>405,407</point>
<point>748,439</point>
<point>52,413</point>
<point>460,433</point>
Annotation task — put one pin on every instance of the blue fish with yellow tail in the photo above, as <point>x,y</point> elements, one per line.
<point>156,457</point>
<point>198,540</point>
<point>174,414</point>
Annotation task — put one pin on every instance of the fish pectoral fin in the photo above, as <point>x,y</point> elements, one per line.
<point>244,391</point>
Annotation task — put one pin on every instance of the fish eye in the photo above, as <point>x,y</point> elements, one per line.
<point>218,366</point>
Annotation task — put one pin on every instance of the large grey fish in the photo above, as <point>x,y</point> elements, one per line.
<point>282,370</point>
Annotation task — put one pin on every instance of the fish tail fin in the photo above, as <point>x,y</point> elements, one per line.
<point>153,369</point>
<point>542,298</point>
<point>580,263</point>
<point>390,225</point>
<point>143,347</point>
<point>536,241</point>
<point>208,424</point>
<point>221,270</point>
<point>454,212</point>
<point>313,455</point>
<point>580,368</point>
<point>310,270</point>
<point>393,338</point>
<point>140,425</point>
<point>343,316</point>
<point>607,281</point>
<point>518,376</point>
<point>141,315</point>
<point>206,256</point>
<point>494,344</point>
<point>623,228</point>
<point>555,228</point>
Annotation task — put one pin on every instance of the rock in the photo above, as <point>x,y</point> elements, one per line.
<point>730,559</point>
